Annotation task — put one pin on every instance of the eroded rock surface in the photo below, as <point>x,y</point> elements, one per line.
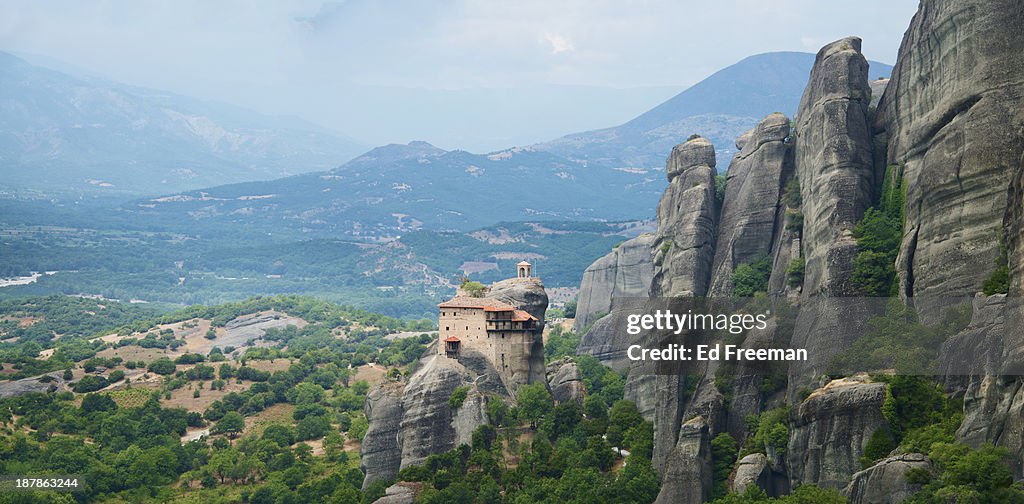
<point>748,224</point>
<point>830,429</point>
<point>565,381</point>
<point>684,247</point>
<point>687,474</point>
<point>954,112</point>
<point>625,272</point>
<point>886,481</point>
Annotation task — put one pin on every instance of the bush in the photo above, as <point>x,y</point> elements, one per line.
<point>999,281</point>
<point>723,456</point>
<point>90,383</point>
<point>878,236</point>
<point>791,196</point>
<point>751,278</point>
<point>162,366</point>
<point>458,397</point>
<point>794,221</point>
<point>795,272</point>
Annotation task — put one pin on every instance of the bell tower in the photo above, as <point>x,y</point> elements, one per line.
<point>524,269</point>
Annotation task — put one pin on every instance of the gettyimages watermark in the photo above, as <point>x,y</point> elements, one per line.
<point>824,336</point>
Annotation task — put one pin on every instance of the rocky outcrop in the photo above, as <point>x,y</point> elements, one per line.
<point>834,163</point>
<point>469,416</point>
<point>684,246</point>
<point>983,362</point>
<point>565,381</point>
<point>403,492</point>
<point>953,113</point>
<point>830,429</point>
<point>625,272</point>
<point>749,218</point>
<point>426,426</point>
<point>886,481</point>
<point>379,455</point>
<point>756,470</point>
<point>687,474</point>
<point>411,421</point>
<point>526,294</point>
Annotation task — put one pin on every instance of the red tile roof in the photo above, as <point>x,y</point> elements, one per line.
<point>451,339</point>
<point>521,316</point>
<point>478,303</point>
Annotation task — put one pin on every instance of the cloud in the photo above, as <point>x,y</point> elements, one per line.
<point>557,43</point>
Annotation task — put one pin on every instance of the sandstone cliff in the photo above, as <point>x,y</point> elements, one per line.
<point>830,430</point>
<point>953,114</point>
<point>625,272</point>
<point>750,212</point>
<point>684,246</point>
<point>835,166</point>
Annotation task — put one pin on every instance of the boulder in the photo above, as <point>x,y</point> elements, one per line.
<point>886,481</point>
<point>403,492</point>
<point>565,381</point>
<point>830,429</point>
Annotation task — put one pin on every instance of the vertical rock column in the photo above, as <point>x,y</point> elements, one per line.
<point>683,255</point>
<point>684,247</point>
<point>747,227</point>
<point>835,167</point>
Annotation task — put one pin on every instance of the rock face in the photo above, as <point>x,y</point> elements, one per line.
<point>625,272</point>
<point>684,247</point>
<point>750,212</point>
<point>834,164</point>
<point>565,381</point>
<point>687,475</point>
<point>411,421</point>
<point>953,113</point>
<point>403,492</point>
<point>380,457</point>
<point>426,426</point>
<point>756,470</point>
<point>830,429</point>
<point>526,294</point>
<point>886,481</point>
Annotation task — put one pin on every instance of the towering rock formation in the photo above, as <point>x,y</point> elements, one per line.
<point>831,429</point>
<point>527,294</point>
<point>684,247</point>
<point>625,272</point>
<point>379,455</point>
<point>751,210</point>
<point>410,421</point>
<point>834,164</point>
<point>687,475</point>
<point>952,120</point>
<point>953,113</point>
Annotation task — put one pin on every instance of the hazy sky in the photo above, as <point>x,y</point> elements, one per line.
<point>476,74</point>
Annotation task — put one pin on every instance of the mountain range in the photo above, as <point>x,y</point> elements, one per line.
<point>611,174</point>
<point>61,133</point>
<point>64,133</point>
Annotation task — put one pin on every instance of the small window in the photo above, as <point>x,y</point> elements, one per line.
<point>446,328</point>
